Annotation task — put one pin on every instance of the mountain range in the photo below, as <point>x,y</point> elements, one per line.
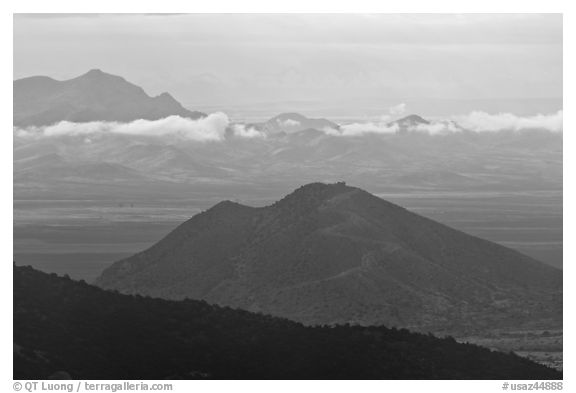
<point>404,161</point>
<point>322,283</point>
<point>99,96</point>
<point>334,254</point>
<point>289,148</point>
<point>64,329</point>
<point>94,96</point>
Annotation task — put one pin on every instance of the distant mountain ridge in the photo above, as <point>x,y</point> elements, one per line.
<point>458,161</point>
<point>291,123</point>
<point>94,96</point>
<point>296,123</point>
<point>330,253</point>
<point>409,121</point>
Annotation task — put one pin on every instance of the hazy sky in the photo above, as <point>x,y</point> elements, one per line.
<point>239,60</point>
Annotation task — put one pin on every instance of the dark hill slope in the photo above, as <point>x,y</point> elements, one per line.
<point>330,254</point>
<point>94,96</point>
<point>62,325</point>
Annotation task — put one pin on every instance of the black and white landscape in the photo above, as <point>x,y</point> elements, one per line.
<point>341,216</point>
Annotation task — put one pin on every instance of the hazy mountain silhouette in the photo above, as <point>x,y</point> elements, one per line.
<point>408,123</point>
<point>330,253</point>
<point>68,329</point>
<point>94,96</point>
<point>290,123</point>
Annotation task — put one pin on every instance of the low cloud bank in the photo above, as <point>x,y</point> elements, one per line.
<point>243,131</point>
<point>382,126</point>
<point>216,126</point>
<point>289,123</point>
<point>439,127</point>
<point>210,128</point>
<point>474,121</point>
<point>482,121</point>
<point>359,129</point>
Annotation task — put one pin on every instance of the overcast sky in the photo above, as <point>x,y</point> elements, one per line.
<point>247,59</point>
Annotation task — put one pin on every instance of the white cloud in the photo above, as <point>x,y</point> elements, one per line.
<point>358,129</point>
<point>438,127</point>
<point>70,128</point>
<point>242,131</point>
<point>397,110</point>
<point>331,131</point>
<point>289,123</point>
<point>482,121</point>
<point>213,127</point>
<point>475,121</point>
<point>209,128</point>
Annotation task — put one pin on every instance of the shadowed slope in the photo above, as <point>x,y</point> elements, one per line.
<point>71,328</point>
<point>334,254</point>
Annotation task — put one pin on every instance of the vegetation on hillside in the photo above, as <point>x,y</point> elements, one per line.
<point>61,325</point>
